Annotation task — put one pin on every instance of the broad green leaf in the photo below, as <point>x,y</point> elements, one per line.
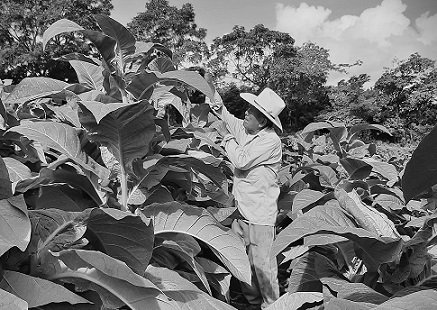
<point>295,300</point>
<point>294,252</point>
<point>36,291</point>
<point>58,27</point>
<point>88,74</point>
<point>16,169</point>
<point>11,302</point>
<point>161,64</point>
<point>82,273</point>
<point>5,181</point>
<point>189,78</point>
<point>386,170</point>
<point>33,88</point>
<point>100,110</point>
<point>423,300</point>
<point>15,229</point>
<point>124,236</point>
<point>105,45</point>
<point>60,176</point>
<point>344,304</point>
<point>125,40</point>
<point>62,138</point>
<point>219,278</point>
<point>185,293</point>
<point>332,220</point>
<point>321,125</point>
<point>421,170</point>
<point>358,292</point>
<point>356,168</point>
<point>76,259</point>
<point>199,115</point>
<point>366,216</point>
<point>305,198</point>
<point>360,127</point>
<point>54,230</point>
<point>62,197</point>
<point>389,202</point>
<point>66,113</point>
<point>211,170</point>
<point>143,81</point>
<point>307,271</point>
<point>126,132</point>
<point>199,223</point>
<point>187,255</point>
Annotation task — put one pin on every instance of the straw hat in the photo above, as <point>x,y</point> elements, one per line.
<point>268,103</point>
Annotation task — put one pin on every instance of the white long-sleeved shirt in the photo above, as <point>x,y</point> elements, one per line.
<point>257,159</point>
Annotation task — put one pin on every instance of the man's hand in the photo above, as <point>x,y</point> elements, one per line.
<point>220,127</point>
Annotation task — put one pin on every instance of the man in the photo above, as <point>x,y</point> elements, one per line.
<point>254,148</point>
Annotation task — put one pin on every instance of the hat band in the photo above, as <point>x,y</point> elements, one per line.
<point>268,112</point>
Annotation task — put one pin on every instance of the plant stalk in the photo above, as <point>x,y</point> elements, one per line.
<point>123,188</point>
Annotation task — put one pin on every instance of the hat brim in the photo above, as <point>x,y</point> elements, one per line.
<point>251,98</point>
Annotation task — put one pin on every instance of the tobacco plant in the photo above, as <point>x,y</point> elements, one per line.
<point>356,233</point>
<point>102,203</point>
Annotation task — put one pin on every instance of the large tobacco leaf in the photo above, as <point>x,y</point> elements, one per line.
<point>36,291</point>
<point>59,27</point>
<point>33,88</point>
<point>15,228</point>
<point>305,198</point>
<point>93,270</point>
<point>199,223</point>
<point>142,82</point>
<point>367,217</point>
<point>124,236</point>
<point>358,292</point>
<point>125,40</point>
<point>88,74</point>
<point>5,181</point>
<point>48,176</point>
<point>12,302</point>
<point>421,170</point>
<point>16,169</point>
<point>187,254</point>
<point>185,293</point>
<point>307,272</point>
<point>126,131</point>
<point>219,278</point>
<point>333,220</point>
<point>296,300</point>
<point>62,138</point>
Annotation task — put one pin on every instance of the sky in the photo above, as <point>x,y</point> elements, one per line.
<point>377,32</point>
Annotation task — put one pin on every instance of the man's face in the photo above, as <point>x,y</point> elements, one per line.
<point>253,120</point>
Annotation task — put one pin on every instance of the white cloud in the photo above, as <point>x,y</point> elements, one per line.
<point>377,36</point>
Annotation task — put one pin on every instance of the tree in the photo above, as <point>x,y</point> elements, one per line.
<point>261,58</point>
<point>248,56</point>
<point>22,23</point>
<point>172,27</point>
<point>407,97</point>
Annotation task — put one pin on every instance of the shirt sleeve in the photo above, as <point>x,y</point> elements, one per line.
<point>265,151</point>
<point>234,125</point>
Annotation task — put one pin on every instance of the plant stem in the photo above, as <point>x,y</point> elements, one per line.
<point>123,188</point>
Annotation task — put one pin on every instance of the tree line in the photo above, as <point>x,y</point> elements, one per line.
<point>404,98</point>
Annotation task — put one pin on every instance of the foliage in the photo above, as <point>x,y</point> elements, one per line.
<point>102,201</point>
<point>350,231</point>
<point>22,24</point>
<point>172,27</point>
<point>403,99</point>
